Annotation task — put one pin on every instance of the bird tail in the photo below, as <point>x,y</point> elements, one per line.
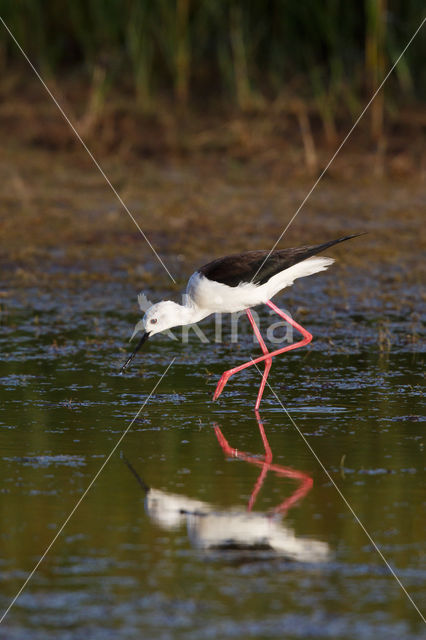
<point>313,250</point>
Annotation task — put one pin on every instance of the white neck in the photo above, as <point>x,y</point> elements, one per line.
<point>189,312</point>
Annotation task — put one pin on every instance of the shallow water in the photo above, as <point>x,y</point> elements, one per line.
<point>178,553</point>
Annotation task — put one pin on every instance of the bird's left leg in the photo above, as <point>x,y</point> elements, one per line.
<point>268,361</point>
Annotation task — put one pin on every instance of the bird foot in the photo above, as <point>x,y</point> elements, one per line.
<point>221,384</point>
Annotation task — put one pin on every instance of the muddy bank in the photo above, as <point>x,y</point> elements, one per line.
<point>57,213</point>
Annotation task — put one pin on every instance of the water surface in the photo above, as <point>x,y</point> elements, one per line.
<point>210,542</point>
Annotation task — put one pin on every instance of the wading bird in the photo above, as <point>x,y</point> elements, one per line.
<point>237,283</point>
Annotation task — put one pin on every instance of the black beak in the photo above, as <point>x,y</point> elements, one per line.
<point>130,358</point>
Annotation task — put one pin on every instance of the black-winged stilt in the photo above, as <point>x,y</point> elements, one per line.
<point>237,283</point>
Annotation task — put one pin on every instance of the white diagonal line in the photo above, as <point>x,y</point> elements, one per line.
<point>345,139</point>
<point>92,157</point>
<point>345,500</point>
<point>83,495</point>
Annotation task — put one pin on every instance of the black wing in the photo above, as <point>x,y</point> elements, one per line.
<point>256,266</point>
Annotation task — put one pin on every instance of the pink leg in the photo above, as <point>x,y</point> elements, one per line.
<point>307,337</point>
<point>268,362</point>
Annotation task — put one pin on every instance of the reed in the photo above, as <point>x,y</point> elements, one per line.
<point>239,54</point>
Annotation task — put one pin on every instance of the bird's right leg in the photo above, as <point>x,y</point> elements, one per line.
<point>268,361</point>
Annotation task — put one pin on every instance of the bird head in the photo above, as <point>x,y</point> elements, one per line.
<point>159,317</point>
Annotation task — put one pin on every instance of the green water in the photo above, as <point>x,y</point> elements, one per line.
<point>134,565</point>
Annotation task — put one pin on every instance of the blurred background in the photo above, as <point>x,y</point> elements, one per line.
<point>123,65</point>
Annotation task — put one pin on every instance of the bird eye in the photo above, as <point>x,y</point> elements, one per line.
<point>153,320</point>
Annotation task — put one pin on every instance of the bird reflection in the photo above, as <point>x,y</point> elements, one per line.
<point>265,463</point>
<point>210,528</point>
